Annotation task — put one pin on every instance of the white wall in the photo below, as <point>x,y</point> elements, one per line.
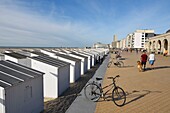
<point>64,79</point>
<point>137,40</point>
<point>26,97</point>
<point>50,78</point>
<point>89,60</point>
<point>11,58</point>
<point>77,70</point>
<point>2,100</point>
<point>72,67</point>
<point>83,63</point>
<point>2,57</point>
<point>93,57</point>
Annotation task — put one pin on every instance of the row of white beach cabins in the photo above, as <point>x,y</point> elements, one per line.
<point>27,77</point>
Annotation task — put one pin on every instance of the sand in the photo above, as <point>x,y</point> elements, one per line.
<point>62,103</point>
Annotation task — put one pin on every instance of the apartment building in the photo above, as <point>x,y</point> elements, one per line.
<point>138,38</point>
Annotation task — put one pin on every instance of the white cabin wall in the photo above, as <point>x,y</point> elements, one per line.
<point>26,97</point>
<point>10,58</point>
<point>63,79</point>
<point>2,100</point>
<point>50,78</point>
<point>77,70</point>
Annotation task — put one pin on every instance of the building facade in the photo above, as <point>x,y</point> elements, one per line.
<point>160,43</point>
<point>139,38</point>
<point>129,41</point>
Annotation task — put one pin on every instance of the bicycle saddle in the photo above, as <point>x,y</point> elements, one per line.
<point>98,78</point>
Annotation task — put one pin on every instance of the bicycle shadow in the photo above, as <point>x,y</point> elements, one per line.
<point>128,66</point>
<point>136,95</point>
<point>133,96</point>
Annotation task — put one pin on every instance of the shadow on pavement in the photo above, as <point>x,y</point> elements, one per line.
<point>155,68</point>
<point>136,95</point>
<point>127,66</point>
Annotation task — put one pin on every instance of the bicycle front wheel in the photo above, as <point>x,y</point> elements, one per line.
<point>92,92</point>
<point>120,64</point>
<point>119,96</point>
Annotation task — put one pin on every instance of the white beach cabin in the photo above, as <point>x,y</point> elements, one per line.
<point>21,89</point>
<point>57,73</point>
<point>75,64</point>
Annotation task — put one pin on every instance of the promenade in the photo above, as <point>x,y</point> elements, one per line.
<point>147,92</point>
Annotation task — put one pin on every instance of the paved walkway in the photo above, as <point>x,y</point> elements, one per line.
<point>147,92</point>
<point>81,104</point>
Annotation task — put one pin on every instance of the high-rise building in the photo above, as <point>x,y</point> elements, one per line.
<point>139,38</point>
<point>115,42</point>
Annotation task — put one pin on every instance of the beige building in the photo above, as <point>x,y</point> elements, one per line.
<point>115,42</point>
<point>160,43</point>
<point>129,41</point>
<point>123,43</point>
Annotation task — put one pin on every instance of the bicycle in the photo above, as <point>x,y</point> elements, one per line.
<point>118,63</point>
<point>94,91</point>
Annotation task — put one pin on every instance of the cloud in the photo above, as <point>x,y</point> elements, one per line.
<point>76,22</point>
<point>23,29</point>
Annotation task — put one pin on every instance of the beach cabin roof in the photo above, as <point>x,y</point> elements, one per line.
<point>51,61</point>
<point>65,56</point>
<point>16,55</point>
<point>78,55</point>
<point>12,73</point>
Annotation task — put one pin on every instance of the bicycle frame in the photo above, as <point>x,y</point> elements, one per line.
<point>112,86</point>
<point>94,91</point>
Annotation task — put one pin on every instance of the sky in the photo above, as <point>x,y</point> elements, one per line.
<point>78,23</point>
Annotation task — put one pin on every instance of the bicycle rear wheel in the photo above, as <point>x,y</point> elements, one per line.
<point>92,92</point>
<point>120,64</point>
<point>119,96</point>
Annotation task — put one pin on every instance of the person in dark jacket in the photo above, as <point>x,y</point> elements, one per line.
<point>144,58</point>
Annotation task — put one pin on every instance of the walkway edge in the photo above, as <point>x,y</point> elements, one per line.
<point>81,104</point>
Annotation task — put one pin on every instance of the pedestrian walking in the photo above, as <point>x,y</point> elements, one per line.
<point>144,60</point>
<point>151,60</point>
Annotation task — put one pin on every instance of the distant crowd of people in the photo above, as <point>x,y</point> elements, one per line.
<point>144,57</point>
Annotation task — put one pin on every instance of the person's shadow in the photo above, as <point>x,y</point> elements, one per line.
<point>156,68</point>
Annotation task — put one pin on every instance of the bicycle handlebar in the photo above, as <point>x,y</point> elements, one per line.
<point>113,77</point>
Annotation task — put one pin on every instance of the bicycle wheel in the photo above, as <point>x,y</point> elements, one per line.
<point>92,92</point>
<point>109,64</point>
<point>120,64</point>
<point>119,96</point>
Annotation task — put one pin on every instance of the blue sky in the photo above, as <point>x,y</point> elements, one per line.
<point>78,23</point>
